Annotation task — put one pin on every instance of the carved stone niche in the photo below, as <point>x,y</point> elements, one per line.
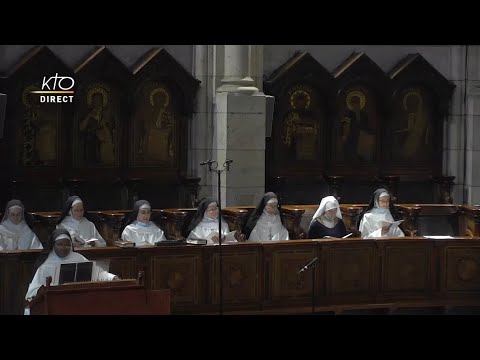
<point>418,100</point>
<point>297,146</point>
<point>357,99</point>
<point>163,100</point>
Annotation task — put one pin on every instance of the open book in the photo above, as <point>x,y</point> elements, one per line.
<point>83,241</point>
<point>197,241</point>
<point>80,272</point>
<point>229,237</point>
<point>75,272</point>
<point>343,237</point>
<point>386,223</point>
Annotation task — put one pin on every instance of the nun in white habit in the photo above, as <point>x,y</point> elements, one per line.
<point>205,222</point>
<point>327,220</point>
<point>380,208</point>
<point>80,228</point>
<point>140,229</point>
<point>15,234</point>
<point>58,250</point>
<point>266,222</point>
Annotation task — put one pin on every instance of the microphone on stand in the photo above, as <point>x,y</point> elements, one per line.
<point>308,265</point>
<point>207,162</point>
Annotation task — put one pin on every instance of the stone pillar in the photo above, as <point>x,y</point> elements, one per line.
<point>201,125</point>
<point>472,176</point>
<point>453,132</point>
<point>239,131</point>
<point>462,148</point>
<point>236,78</point>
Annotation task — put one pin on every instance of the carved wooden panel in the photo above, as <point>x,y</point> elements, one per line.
<point>411,128</point>
<point>17,274</point>
<point>241,276</point>
<point>407,268</point>
<point>96,125</point>
<point>356,129</point>
<point>350,269</point>
<point>414,125</point>
<point>101,111</point>
<point>356,126</point>
<point>156,125</point>
<point>300,87</point>
<point>181,273</point>
<point>123,264</point>
<point>462,269</point>
<point>163,100</point>
<point>36,129</point>
<point>282,267</point>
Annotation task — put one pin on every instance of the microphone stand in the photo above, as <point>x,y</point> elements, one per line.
<point>312,264</point>
<point>211,168</point>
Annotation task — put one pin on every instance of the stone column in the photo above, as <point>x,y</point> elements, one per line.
<point>239,131</point>
<point>236,78</point>
<point>472,176</point>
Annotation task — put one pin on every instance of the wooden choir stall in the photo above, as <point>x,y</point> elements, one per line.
<point>121,297</point>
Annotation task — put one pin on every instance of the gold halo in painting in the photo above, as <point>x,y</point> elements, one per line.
<point>297,94</point>
<point>97,90</point>
<point>358,94</point>
<point>415,94</point>
<point>166,96</point>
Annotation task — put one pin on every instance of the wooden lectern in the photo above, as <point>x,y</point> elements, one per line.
<point>121,297</point>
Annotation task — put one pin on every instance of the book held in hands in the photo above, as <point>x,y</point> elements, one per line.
<point>386,223</point>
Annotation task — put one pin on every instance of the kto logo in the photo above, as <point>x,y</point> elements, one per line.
<point>56,85</point>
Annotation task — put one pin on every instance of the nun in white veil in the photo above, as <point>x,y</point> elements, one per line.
<point>80,228</point>
<point>379,209</point>
<point>15,234</point>
<point>327,220</point>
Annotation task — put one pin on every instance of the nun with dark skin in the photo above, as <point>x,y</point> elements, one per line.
<point>58,250</point>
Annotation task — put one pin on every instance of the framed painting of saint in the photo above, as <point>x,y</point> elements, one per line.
<point>410,129</point>
<point>96,126</point>
<point>154,125</point>
<point>355,130</point>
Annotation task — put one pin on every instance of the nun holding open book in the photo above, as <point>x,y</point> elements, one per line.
<point>204,225</point>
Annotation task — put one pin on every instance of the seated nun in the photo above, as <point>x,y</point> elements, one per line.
<point>266,222</point>
<point>15,234</point>
<point>379,209</point>
<point>140,229</point>
<point>58,250</point>
<point>388,229</point>
<point>83,231</point>
<point>205,222</point>
<point>327,220</point>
